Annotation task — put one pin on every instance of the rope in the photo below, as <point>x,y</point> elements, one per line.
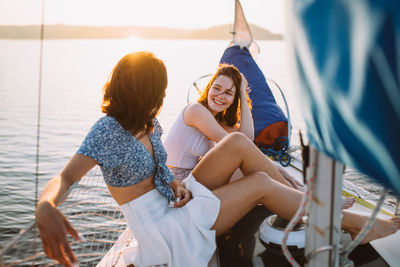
<point>279,150</point>
<point>195,85</point>
<point>287,110</point>
<point>305,201</point>
<point>38,121</point>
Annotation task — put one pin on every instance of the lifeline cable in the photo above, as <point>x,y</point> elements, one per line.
<point>38,121</point>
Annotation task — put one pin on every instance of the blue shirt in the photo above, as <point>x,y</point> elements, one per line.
<point>123,159</point>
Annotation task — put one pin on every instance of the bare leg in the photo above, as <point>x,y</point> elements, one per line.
<point>347,202</point>
<point>260,186</point>
<point>239,197</point>
<point>233,151</point>
<point>353,223</point>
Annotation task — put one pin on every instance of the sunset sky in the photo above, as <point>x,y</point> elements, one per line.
<point>169,13</point>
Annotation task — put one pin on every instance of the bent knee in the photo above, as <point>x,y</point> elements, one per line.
<point>236,139</point>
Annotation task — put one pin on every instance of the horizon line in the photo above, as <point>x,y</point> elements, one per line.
<point>142,26</point>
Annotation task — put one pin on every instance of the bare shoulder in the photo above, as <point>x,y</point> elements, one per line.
<point>195,108</point>
<point>195,112</point>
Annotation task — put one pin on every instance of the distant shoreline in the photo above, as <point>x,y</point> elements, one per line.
<point>60,31</point>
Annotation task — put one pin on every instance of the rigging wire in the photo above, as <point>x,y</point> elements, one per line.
<point>38,121</point>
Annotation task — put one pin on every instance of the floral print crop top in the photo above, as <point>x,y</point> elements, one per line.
<point>123,159</point>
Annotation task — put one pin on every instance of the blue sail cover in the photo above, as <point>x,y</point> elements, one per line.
<point>347,59</point>
<point>265,110</point>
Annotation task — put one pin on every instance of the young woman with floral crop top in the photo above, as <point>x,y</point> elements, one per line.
<point>126,144</point>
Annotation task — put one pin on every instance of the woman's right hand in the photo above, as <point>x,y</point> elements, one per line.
<point>52,224</point>
<point>53,228</point>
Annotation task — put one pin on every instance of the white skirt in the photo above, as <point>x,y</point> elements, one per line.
<point>172,236</point>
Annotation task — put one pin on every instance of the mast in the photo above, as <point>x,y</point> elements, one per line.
<point>324,222</point>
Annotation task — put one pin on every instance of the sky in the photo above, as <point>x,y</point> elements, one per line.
<point>167,13</point>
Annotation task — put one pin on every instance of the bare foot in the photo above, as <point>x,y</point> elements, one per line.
<point>380,229</point>
<point>347,202</point>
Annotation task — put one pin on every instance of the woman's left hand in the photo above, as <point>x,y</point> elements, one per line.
<point>244,86</point>
<point>182,195</point>
<point>291,180</point>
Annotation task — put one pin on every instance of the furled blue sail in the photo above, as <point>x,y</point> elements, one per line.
<point>347,59</point>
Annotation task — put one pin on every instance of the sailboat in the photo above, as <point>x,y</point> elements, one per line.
<point>103,245</point>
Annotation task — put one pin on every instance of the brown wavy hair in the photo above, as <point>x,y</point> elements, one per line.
<point>230,116</point>
<point>135,90</point>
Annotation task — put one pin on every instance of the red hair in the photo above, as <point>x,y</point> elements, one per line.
<point>135,91</point>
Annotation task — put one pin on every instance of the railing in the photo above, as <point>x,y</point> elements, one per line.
<point>91,211</point>
<point>202,80</point>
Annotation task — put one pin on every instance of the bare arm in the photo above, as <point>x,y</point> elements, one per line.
<point>246,119</point>
<point>198,116</point>
<point>54,234</point>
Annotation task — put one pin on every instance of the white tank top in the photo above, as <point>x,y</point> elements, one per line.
<point>185,144</point>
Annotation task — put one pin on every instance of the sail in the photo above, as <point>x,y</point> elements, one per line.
<point>347,60</point>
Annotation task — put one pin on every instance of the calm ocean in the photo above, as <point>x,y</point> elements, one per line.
<point>74,72</point>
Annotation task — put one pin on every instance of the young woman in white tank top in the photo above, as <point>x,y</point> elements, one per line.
<point>216,113</point>
<point>223,103</point>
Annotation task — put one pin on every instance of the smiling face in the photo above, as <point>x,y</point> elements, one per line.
<point>221,94</point>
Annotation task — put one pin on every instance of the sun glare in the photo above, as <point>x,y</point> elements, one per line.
<point>133,38</point>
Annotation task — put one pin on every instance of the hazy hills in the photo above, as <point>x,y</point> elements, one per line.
<point>110,32</point>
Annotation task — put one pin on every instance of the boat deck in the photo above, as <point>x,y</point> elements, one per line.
<point>242,247</point>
